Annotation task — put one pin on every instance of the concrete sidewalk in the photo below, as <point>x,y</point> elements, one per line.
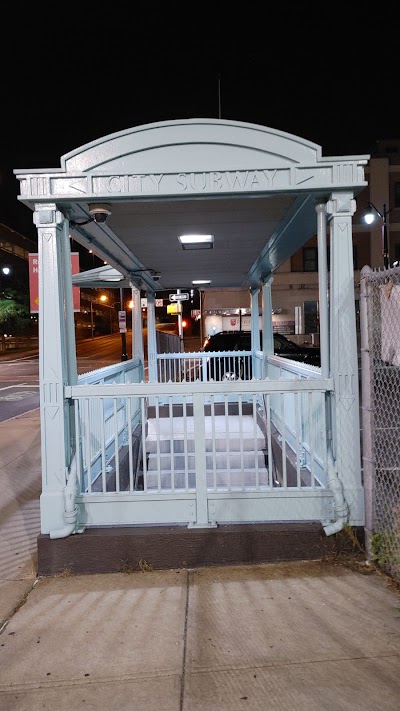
<point>304,636</point>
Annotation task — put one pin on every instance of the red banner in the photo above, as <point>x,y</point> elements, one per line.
<point>34,282</point>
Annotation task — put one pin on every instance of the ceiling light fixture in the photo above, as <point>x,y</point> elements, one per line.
<point>201,281</point>
<point>196,241</point>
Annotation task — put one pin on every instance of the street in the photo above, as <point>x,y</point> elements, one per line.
<point>19,374</point>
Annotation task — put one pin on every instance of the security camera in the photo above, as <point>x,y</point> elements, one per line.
<point>100,212</point>
<point>156,276</point>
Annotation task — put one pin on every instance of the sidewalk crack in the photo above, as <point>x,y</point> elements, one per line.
<point>189,575</point>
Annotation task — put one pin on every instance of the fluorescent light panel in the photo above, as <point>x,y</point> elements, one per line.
<point>196,241</point>
<point>201,281</point>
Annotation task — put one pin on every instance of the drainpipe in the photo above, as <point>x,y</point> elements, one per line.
<point>334,483</point>
<point>71,511</point>
<point>341,508</point>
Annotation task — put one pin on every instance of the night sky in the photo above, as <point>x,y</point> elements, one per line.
<point>70,78</point>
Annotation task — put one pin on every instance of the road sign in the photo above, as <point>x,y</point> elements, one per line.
<point>122,321</point>
<point>178,297</point>
<point>174,309</point>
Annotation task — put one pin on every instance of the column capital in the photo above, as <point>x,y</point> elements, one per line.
<point>47,215</point>
<point>341,204</point>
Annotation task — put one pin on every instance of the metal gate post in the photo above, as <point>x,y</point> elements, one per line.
<point>202,517</point>
<point>366,413</point>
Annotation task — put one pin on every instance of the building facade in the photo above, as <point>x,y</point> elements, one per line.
<point>295,298</point>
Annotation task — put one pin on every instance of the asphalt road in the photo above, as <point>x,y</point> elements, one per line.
<point>19,372</point>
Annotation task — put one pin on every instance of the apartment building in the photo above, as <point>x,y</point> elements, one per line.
<point>295,283</point>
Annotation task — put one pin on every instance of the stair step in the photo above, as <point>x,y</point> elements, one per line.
<point>220,444</point>
<point>218,427</point>
<point>222,460</point>
<point>236,478</point>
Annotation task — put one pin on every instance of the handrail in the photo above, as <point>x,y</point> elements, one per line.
<point>229,388</point>
<point>93,376</point>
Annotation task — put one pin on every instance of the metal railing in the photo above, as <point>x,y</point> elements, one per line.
<point>17,342</point>
<point>189,367</point>
<point>103,424</point>
<point>221,439</point>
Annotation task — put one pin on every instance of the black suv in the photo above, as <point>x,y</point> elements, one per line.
<point>234,368</point>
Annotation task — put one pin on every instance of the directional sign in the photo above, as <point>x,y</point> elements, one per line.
<point>178,297</point>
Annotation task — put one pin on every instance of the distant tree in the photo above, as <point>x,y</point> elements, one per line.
<point>14,308</point>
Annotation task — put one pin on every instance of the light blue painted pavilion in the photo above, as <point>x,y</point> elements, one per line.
<point>283,445</point>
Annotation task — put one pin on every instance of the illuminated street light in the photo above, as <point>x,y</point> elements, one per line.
<point>103,298</point>
<point>369,218</point>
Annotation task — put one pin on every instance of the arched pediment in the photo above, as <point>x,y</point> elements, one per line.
<point>174,163</point>
<point>192,145</point>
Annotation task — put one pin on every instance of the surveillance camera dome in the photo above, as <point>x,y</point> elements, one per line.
<point>156,276</point>
<point>100,212</point>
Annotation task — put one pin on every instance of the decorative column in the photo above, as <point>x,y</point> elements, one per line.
<point>137,325</point>
<point>151,337</point>
<point>345,418</point>
<point>323,289</point>
<point>255,320</point>
<point>255,332</point>
<point>53,369</point>
<point>267,330</point>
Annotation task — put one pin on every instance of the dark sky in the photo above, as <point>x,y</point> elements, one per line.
<point>70,78</point>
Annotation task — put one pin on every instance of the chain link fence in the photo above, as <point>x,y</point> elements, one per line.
<point>380,402</point>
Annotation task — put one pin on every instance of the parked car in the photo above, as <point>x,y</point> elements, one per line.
<point>235,368</point>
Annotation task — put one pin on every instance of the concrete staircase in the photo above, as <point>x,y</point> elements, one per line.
<point>235,454</point>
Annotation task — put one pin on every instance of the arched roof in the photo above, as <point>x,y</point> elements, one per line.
<point>254,188</point>
<point>193,145</point>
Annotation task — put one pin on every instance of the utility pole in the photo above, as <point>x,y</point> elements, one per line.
<point>124,355</point>
<point>180,330</point>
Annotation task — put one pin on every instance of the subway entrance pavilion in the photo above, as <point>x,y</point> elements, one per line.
<point>184,467</point>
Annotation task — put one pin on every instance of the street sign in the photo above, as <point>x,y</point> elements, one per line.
<point>159,302</point>
<point>174,309</point>
<point>122,321</point>
<point>178,297</point>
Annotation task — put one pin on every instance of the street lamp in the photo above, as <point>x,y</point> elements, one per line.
<point>103,299</point>
<point>369,218</point>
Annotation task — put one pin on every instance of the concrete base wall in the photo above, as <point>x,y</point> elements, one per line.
<point>111,550</point>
